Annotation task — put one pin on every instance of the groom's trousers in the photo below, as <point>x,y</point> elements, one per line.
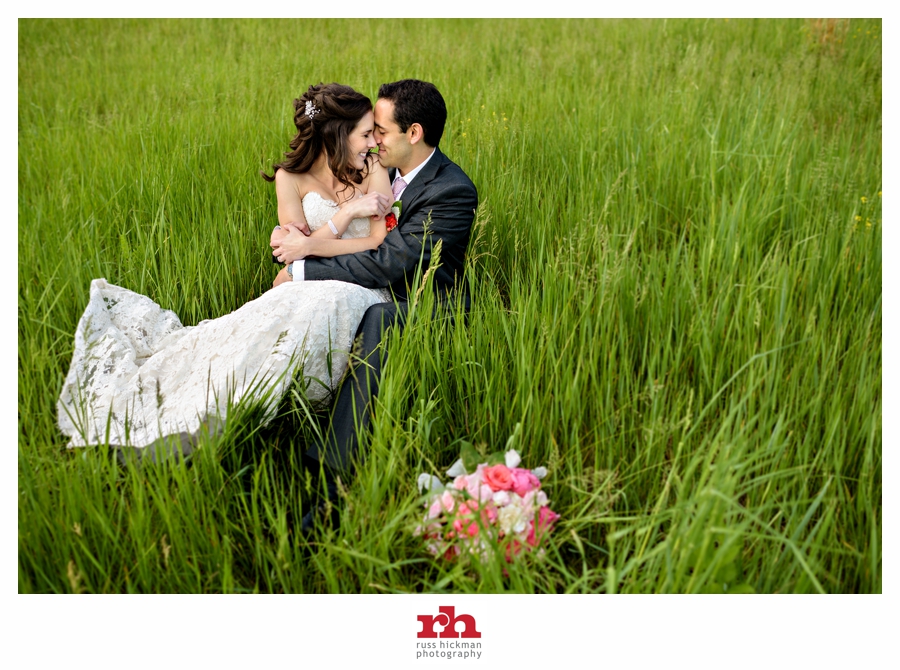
<point>353,407</point>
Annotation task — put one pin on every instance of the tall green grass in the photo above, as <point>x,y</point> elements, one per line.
<point>677,274</point>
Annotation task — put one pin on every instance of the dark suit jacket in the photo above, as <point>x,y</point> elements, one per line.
<point>442,190</point>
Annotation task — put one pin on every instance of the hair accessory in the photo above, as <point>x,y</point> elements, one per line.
<point>311,109</point>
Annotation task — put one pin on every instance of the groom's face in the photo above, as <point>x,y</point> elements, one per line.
<point>394,149</point>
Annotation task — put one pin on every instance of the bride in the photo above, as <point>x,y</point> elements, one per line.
<point>138,375</point>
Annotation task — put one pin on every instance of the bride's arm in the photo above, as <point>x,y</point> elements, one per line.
<point>323,243</point>
<point>290,203</point>
<point>290,206</point>
<point>289,191</point>
<point>296,246</point>
<point>377,181</point>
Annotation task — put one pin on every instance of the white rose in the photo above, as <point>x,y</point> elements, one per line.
<point>512,519</point>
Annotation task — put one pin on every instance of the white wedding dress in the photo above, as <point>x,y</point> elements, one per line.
<point>138,375</point>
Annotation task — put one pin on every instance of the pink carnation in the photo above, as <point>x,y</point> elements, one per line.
<point>543,522</point>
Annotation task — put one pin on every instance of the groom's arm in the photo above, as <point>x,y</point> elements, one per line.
<point>451,207</point>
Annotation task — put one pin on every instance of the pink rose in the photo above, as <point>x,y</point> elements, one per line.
<point>524,481</point>
<point>498,477</point>
<point>460,483</point>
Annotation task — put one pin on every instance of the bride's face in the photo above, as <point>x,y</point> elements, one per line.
<point>361,140</point>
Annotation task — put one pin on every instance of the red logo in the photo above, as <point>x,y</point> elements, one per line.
<point>448,619</point>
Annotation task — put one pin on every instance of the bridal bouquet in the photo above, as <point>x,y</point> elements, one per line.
<point>497,502</point>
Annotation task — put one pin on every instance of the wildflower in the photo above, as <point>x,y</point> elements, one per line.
<point>864,200</point>
<point>879,194</point>
<point>463,134</point>
<point>858,217</point>
<point>868,223</point>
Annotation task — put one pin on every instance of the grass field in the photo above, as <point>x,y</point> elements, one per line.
<point>678,300</point>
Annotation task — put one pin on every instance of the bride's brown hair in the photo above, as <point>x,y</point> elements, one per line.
<point>325,116</point>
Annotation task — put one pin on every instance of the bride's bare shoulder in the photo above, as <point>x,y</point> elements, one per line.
<point>282,176</point>
<point>292,184</point>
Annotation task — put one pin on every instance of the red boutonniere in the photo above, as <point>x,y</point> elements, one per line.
<point>390,219</point>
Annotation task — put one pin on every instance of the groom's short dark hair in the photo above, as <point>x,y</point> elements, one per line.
<point>417,101</point>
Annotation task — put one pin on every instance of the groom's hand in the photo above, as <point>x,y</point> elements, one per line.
<point>280,232</point>
<point>293,246</point>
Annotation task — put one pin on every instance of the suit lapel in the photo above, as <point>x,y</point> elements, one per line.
<point>413,191</point>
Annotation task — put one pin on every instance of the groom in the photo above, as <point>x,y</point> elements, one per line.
<point>409,121</point>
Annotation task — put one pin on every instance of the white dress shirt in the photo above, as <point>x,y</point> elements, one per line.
<point>297,266</point>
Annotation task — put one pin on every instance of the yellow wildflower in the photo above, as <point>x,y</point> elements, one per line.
<point>857,217</point>
<point>864,200</point>
<point>879,194</point>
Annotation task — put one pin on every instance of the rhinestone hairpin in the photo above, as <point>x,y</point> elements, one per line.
<point>311,109</point>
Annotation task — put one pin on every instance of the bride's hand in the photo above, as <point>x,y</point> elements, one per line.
<point>374,205</point>
<point>293,246</point>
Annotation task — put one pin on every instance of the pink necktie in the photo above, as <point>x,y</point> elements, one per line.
<point>397,187</point>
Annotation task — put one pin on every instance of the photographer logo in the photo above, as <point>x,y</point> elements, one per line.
<point>446,642</point>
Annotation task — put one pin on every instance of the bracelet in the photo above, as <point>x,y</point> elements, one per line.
<point>290,270</point>
<point>334,229</point>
